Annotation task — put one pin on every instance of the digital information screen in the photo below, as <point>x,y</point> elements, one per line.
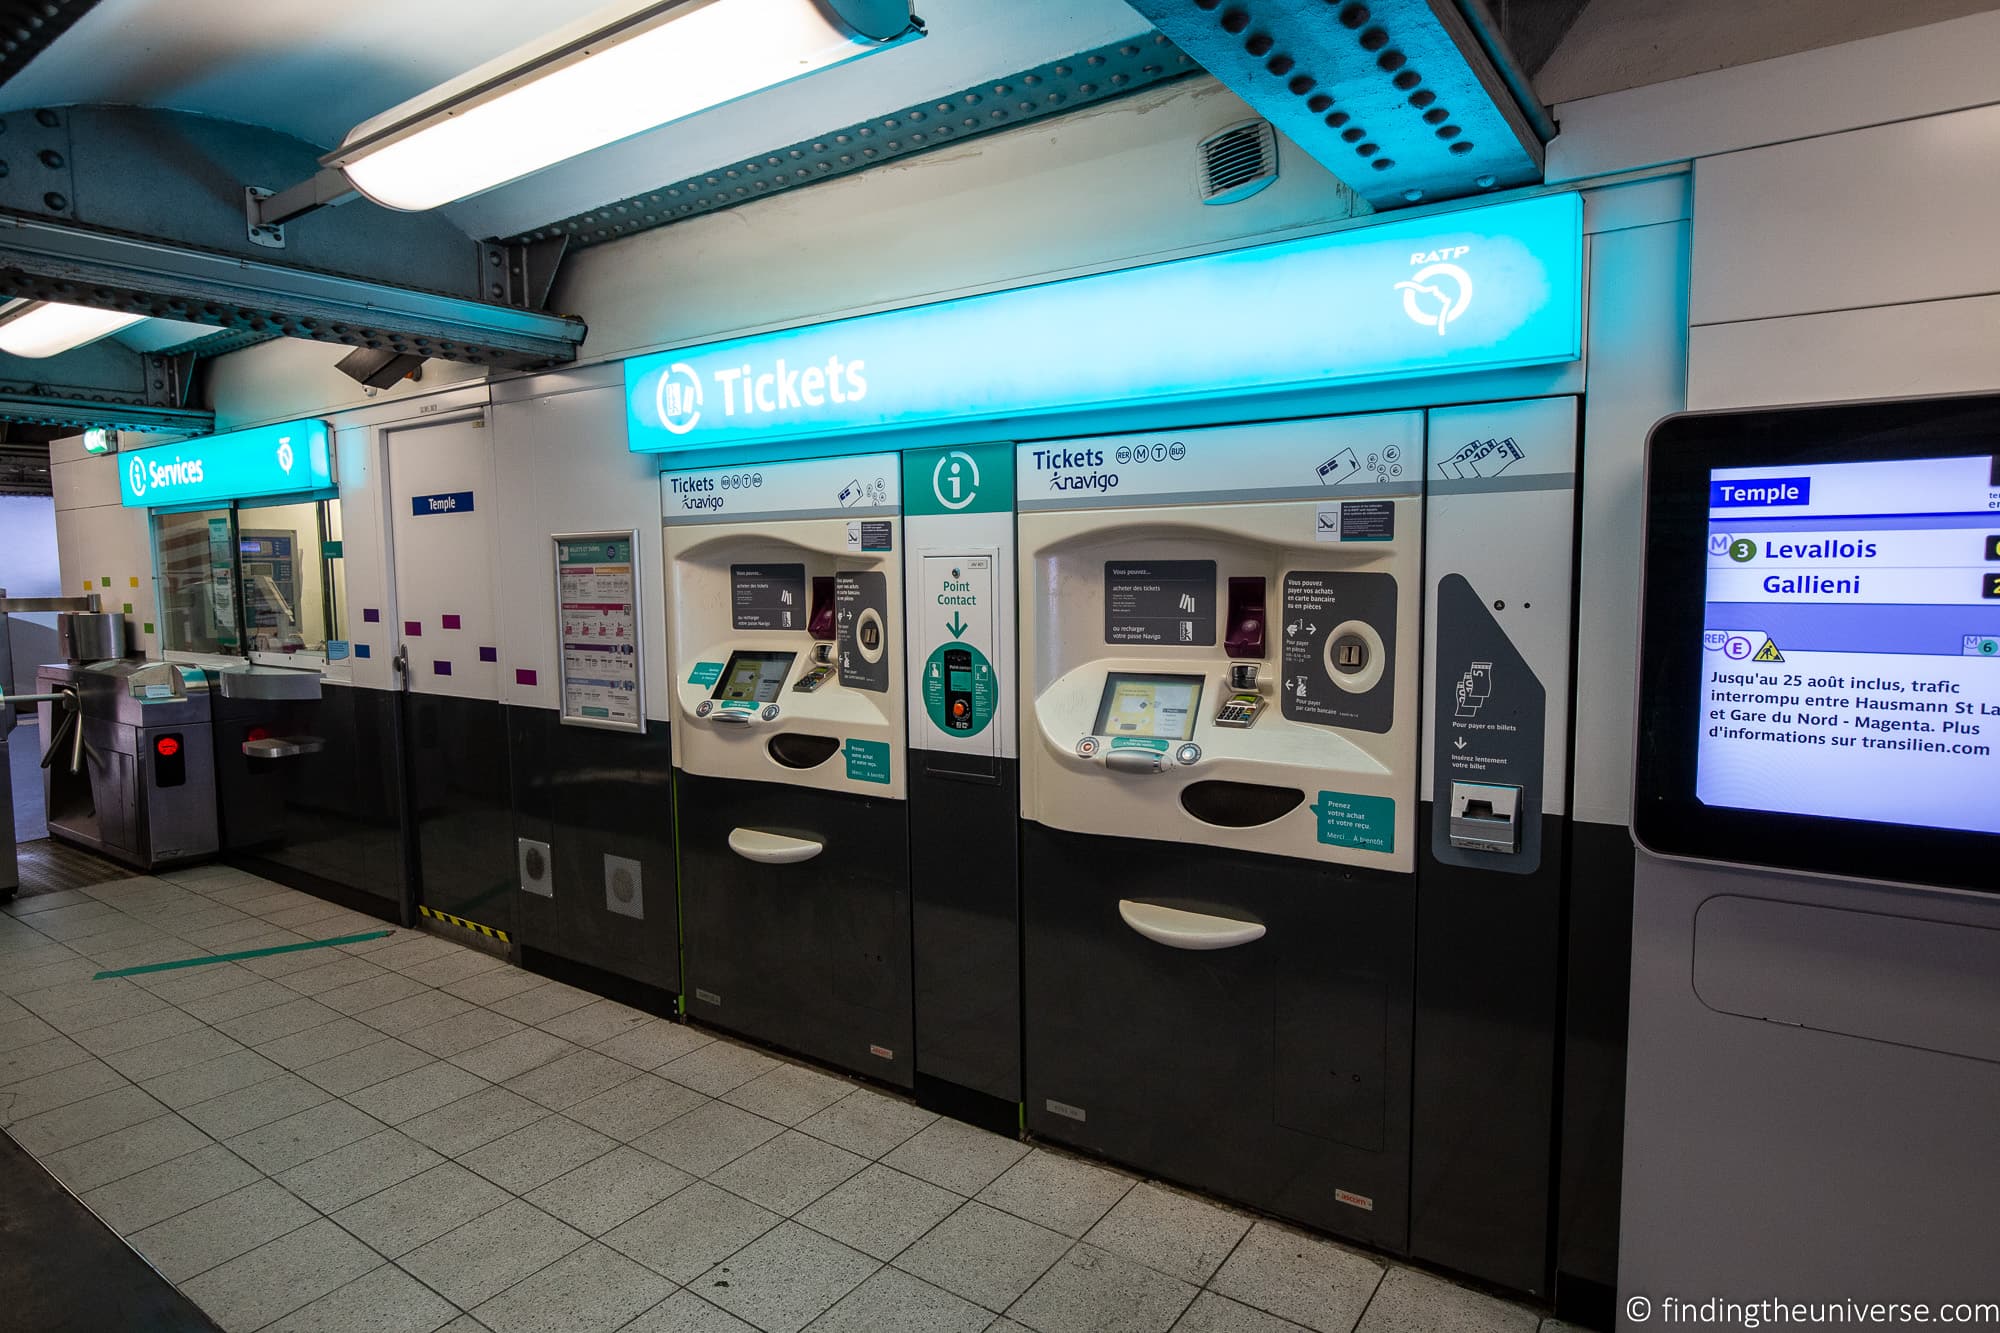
<point>1163,707</point>
<point>1851,642</point>
<point>958,681</point>
<point>753,677</point>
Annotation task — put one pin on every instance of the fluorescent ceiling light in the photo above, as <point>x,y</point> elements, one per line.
<point>46,328</point>
<point>614,75</point>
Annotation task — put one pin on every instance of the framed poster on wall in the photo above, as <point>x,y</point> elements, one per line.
<point>600,662</point>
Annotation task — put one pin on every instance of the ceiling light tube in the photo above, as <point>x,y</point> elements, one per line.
<point>611,76</point>
<point>49,328</point>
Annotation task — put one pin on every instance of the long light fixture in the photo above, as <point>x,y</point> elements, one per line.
<point>48,328</point>
<point>615,74</point>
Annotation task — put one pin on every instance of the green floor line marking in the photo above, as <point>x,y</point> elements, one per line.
<point>247,953</point>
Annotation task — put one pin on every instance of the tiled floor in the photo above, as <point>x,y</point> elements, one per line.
<point>405,1135</point>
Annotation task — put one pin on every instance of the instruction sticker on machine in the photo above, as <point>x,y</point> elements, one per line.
<point>598,616</point>
<point>767,596</point>
<point>1337,642</point>
<point>1349,820</point>
<point>1160,601</point>
<point>861,629</point>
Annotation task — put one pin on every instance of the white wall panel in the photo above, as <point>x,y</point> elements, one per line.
<point>289,378</point>
<point>1897,213</point>
<point>1107,186</point>
<point>1899,76</point>
<point>1881,352</point>
<point>101,546</point>
<point>1638,316</point>
<point>563,467</point>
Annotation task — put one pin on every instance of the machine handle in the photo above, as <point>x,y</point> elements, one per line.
<point>772,849</point>
<point>1178,929</point>
<point>1137,761</point>
<point>283,747</point>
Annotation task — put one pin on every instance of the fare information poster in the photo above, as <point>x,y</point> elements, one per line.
<point>597,617</point>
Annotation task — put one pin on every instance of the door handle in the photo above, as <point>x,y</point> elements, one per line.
<point>400,664</point>
<point>772,849</point>
<point>1178,929</point>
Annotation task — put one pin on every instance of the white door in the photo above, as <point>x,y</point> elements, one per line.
<point>442,509</point>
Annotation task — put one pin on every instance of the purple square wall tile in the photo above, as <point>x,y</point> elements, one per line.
<point>441,668</point>
<point>523,676</point>
<point>413,629</point>
<point>450,622</point>
<point>489,654</point>
<point>371,615</point>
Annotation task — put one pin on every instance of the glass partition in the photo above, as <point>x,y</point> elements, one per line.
<point>195,556</point>
<point>289,571</point>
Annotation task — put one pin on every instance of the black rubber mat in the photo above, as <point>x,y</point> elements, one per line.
<point>61,1269</point>
<point>48,866</point>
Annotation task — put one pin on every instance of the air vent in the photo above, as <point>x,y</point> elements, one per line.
<point>537,874</point>
<point>624,887</point>
<point>1236,162</point>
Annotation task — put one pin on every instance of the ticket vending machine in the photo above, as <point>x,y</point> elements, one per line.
<point>1813,1073</point>
<point>1219,777</point>
<point>785,644</point>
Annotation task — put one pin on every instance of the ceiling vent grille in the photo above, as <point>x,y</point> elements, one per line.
<point>1236,162</point>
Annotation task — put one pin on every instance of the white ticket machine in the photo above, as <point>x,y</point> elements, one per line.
<point>1219,772</point>
<point>784,614</point>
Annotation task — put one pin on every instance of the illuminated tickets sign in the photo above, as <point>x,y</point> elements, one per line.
<point>1478,289</point>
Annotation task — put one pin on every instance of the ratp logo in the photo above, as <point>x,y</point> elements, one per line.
<point>135,474</point>
<point>1439,291</point>
<point>285,453</point>
<point>679,398</point>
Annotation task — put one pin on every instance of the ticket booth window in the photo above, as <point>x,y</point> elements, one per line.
<point>196,560</point>
<point>289,574</point>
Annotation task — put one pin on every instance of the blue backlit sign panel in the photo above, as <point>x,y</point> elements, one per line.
<point>1480,289</point>
<point>293,457</point>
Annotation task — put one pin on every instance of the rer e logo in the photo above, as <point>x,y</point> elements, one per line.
<point>1439,291</point>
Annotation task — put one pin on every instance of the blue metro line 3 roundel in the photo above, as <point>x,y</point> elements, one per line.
<point>1473,289</point>
<point>959,689</point>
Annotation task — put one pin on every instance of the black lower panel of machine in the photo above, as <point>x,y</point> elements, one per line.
<point>965,888</point>
<point>813,955</point>
<point>1488,1037</point>
<point>1276,1072</point>
<point>603,802</point>
<point>328,819</point>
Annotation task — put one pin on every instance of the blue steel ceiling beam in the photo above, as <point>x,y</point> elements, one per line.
<point>58,261</point>
<point>1401,99</point>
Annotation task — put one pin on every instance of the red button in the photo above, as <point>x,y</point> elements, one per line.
<point>167,746</point>
<point>958,708</point>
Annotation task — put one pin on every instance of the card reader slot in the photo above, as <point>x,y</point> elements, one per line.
<point>1180,929</point>
<point>1239,804</point>
<point>797,750</point>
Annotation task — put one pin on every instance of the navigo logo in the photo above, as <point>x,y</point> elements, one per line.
<point>679,398</point>
<point>1439,291</point>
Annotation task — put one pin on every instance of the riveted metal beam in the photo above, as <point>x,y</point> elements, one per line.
<point>52,261</point>
<point>28,26</point>
<point>1081,80</point>
<point>46,406</point>
<point>1401,99</point>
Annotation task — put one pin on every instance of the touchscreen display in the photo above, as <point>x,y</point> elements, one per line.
<point>753,677</point>
<point>1851,642</point>
<point>1158,706</point>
